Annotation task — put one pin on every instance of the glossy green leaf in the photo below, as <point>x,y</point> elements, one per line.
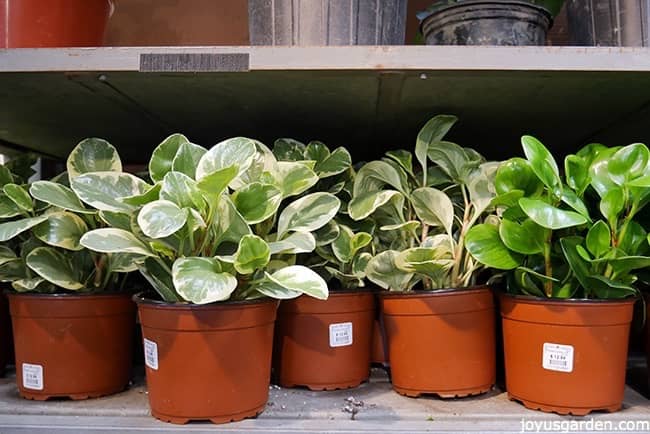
<point>578,265</point>
<point>54,267</point>
<point>8,230</point>
<point>162,158</point>
<point>598,239</point>
<point>61,229</point>
<point>216,182</point>
<point>382,271</point>
<point>629,162</point>
<point>576,172</point>
<point>337,162</point>
<point>187,158</point>
<point>290,282</point>
<point>309,213</point>
<point>541,162</point>
<point>365,204</point>
<point>103,190</point>
<point>295,177</point>
<point>347,244</point>
<point>58,195</point>
<point>253,253</point>
<point>138,200</point>
<point>8,207</point>
<point>526,283</point>
<point>433,207</point>
<point>231,226</point>
<point>237,151</point>
<point>5,176</point>
<point>296,242</point>
<point>182,190</point>
<point>93,155</point>
<point>612,204</point>
<point>116,220</point>
<point>527,238</point>
<point>571,198</point>
<point>256,202</point>
<point>549,216</point>
<point>485,245</point>
<point>161,219</point>
<point>516,174</point>
<point>433,131</point>
<point>289,150</point>
<point>201,281</point>
<point>112,240</point>
<point>159,278</point>
<point>605,288</point>
<point>633,241</point>
<point>601,178</point>
<point>19,196</point>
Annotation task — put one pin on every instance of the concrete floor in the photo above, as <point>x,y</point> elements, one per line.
<point>377,409</point>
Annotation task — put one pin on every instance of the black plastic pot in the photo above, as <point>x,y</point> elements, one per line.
<point>484,22</point>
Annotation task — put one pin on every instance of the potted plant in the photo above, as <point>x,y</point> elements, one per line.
<point>325,344</point>
<point>218,245</point>
<point>572,247</point>
<point>439,325</point>
<point>72,323</point>
<point>488,22</point>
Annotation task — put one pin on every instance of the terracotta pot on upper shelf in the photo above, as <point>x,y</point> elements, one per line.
<point>441,342</point>
<point>73,346</point>
<point>325,344</point>
<point>53,23</point>
<point>207,362</point>
<point>566,356</point>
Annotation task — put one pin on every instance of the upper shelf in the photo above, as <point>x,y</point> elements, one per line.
<point>368,98</point>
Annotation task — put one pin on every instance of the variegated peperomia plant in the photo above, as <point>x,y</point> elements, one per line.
<point>342,245</point>
<point>424,213</point>
<point>214,224</point>
<point>43,223</point>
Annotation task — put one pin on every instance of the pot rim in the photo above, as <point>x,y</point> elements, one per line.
<point>435,292</point>
<point>566,301</point>
<point>469,3</point>
<point>141,299</point>
<point>71,296</point>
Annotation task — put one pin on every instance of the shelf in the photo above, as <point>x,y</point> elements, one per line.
<point>368,98</point>
<point>296,411</point>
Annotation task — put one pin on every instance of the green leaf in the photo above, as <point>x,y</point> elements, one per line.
<point>570,198</point>
<point>26,285</point>
<point>159,278</point>
<point>485,245</point>
<point>216,182</point>
<point>578,265</point>
<point>611,205</point>
<point>19,196</point>
<point>116,220</point>
<point>374,175</point>
<point>541,162</point>
<point>435,263</point>
<point>8,207</point>
<point>161,219</point>
<point>516,174</point>
<point>58,195</point>
<point>162,158</point>
<point>549,216</point>
<point>295,177</point>
<point>457,162</point>
<point>6,255</point>
<point>526,283</point>
<point>433,207</point>
<point>93,155</point>
<point>187,158</point>
<point>382,271</point>
<point>409,226</point>
<point>124,262</point>
<point>327,233</point>
<point>103,190</point>
<point>61,229</point>
<point>347,244</point>
<point>237,151</point>
<point>337,162</point>
<point>138,200</point>
<point>598,239</point>
<point>230,224</point>
<point>316,151</point>
<point>308,213</point>
<point>527,238</point>
<point>289,150</point>
<point>633,241</point>
<point>576,172</point>
<point>54,267</point>
<point>256,202</point>
<point>365,204</point>
<point>296,242</point>
<point>629,162</point>
<point>201,281</point>
<point>290,282</point>
<point>8,230</point>
<point>605,288</point>
<point>599,173</point>
<point>433,131</point>
<point>5,176</point>
<point>182,190</point>
<point>360,263</point>
<point>112,240</point>
<point>403,158</point>
<point>253,253</point>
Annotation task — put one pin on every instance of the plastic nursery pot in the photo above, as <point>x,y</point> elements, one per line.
<point>324,344</point>
<point>566,356</point>
<point>378,349</point>
<point>74,346</point>
<point>487,22</point>
<point>53,23</point>
<point>207,362</point>
<point>441,342</point>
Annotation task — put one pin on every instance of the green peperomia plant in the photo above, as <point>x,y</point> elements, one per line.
<point>215,224</point>
<point>42,228</point>
<point>341,246</point>
<point>573,236</point>
<point>424,213</point>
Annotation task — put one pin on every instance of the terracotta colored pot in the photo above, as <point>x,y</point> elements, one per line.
<point>207,362</point>
<point>75,346</point>
<point>325,344</point>
<point>379,349</point>
<point>441,342</point>
<point>566,356</point>
<point>53,23</point>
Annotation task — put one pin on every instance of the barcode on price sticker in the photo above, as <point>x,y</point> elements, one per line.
<point>341,334</point>
<point>151,354</point>
<point>557,357</point>
<point>32,376</point>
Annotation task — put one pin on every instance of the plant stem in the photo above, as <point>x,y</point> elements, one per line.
<point>548,267</point>
<point>459,251</point>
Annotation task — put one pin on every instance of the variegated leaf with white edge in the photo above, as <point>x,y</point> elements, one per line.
<point>93,155</point>
<point>433,207</point>
<point>295,177</point>
<point>253,253</point>
<point>382,271</point>
<point>124,262</point>
<point>201,281</point>
<point>292,281</point>
<point>309,213</point>
<point>263,164</point>
<point>103,190</point>
<point>139,200</point>
<point>231,226</point>
<point>58,195</point>
<point>363,205</point>
<point>337,162</point>
<point>112,240</point>
<point>237,151</point>
<point>187,157</point>
<point>118,220</point>
<point>7,255</point>
<point>54,267</point>
<point>296,242</point>
<point>27,284</point>
<point>161,218</point>
<point>182,190</point>
<point>8,207</point>
<point>256,201</point>
<point>8,230</point>
<point>61,229</point>
<point>19,196</point>
<point>162,158</point>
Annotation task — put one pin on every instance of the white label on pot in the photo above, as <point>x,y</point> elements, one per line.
<point>151,354</point>
<point>557,357</point>
<point>341,334</point>
<point>32,376</point>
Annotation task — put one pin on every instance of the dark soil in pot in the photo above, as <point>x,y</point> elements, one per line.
<point>441,342</point>
<point>207,362</point>
<point>73,346</point>
<point>325,344</point>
